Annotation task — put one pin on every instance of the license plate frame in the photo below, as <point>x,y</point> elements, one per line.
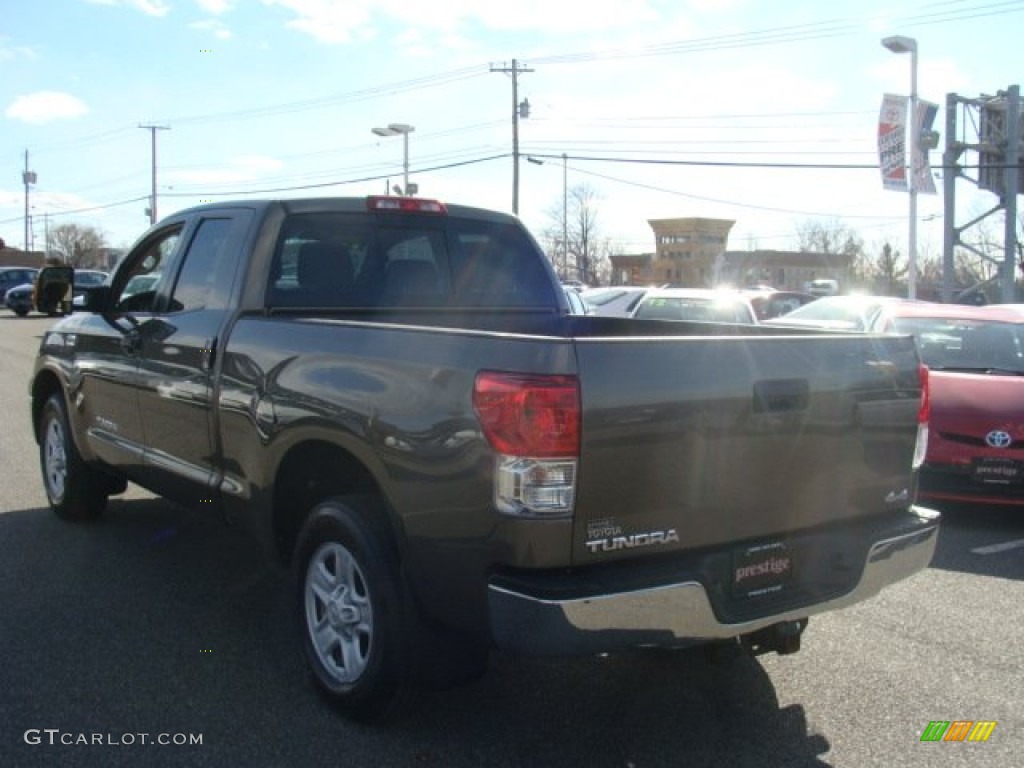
<point>761,570</point>
<point>992,470</point>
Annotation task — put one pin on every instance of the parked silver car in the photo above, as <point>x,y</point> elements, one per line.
<point>696,305</point>
<point>614,300</point>
<point>839,313</point>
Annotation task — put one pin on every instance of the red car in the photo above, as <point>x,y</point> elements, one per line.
<point>976,433</point>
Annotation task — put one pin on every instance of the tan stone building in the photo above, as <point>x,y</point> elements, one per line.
<point>692,253</point>
<point>688,252</point>
<point>785,270</point>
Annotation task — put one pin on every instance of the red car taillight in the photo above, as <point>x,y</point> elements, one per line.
<point>924,413</point>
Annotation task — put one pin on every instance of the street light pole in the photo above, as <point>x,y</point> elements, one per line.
<point>152,173</point>
<point>403,130</point>
<point>902,44</point>
<point>565,212</point>
<point>28,178</point>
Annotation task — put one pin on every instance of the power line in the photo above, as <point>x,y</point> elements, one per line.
<point>339,182</point>
<point>706,199</point>
<point>778,35</point>
<point>88,209</point>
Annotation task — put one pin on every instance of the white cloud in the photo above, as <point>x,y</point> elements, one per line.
<point>327,21</point>
<point>15,52</point>
<point>45,106</point>
<point>148,7</point>
<point>257,163</point>
<point>238,170</point>
<point>214,26</point>
<point>215,7</point>
<point>335,22</point>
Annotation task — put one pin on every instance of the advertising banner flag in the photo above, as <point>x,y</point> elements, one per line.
<point>892,142</point>
<point>923,121</point>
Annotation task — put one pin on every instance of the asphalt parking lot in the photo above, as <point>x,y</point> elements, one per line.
<point>157,624</point>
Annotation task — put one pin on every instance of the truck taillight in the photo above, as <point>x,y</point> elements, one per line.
<point>528,415</point>
<point>924,413</point>
<point>533,424</point>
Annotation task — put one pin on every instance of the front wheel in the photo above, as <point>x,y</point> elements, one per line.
<point>354,613</point>
<point>75,490</point>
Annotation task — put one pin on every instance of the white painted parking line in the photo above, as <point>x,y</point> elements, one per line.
<point>993,548</point>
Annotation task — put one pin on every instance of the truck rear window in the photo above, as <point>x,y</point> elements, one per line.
<point>361,261</point>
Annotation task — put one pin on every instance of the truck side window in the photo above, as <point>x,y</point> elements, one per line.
<point>207,275</point>
<point>139,289</point>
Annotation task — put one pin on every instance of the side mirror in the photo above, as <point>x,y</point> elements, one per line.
<point>53,290</point>
<point>96,300</point>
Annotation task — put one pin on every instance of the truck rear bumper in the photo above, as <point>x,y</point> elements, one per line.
<point>682,611</point>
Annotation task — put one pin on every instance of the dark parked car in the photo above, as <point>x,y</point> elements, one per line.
<point>14,276</point>
<point>768,303</point>
<point>975,357</point>
<point>19,299</point>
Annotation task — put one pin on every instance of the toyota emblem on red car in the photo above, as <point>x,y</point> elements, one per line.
<point>997,438</point>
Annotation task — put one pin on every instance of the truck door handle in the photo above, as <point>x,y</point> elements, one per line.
<point>208,354</point>
<point>781,395</point>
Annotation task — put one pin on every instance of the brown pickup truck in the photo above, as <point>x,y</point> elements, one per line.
<point>393,394</point>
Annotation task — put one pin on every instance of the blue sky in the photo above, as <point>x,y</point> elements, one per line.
<point>264,97</point>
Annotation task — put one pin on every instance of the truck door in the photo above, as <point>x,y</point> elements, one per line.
<point>178,350</point>
<point>106,348</point>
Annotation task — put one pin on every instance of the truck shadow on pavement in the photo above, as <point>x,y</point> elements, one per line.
<point>981,540</point>
<point>159,620</point>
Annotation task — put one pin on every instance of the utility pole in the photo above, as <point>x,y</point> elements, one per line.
<point>1011,180</point>
<point>518,110</point>
<point>28,177</point>
<point>152,194</point>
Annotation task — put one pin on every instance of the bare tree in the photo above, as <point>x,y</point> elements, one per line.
<point>831,236</point>
<point>76,245</point>
<point>585,254</point>
<point>888,271</point>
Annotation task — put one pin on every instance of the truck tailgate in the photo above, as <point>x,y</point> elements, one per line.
<point>698,442</point>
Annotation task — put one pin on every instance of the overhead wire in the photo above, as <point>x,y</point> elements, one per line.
<point>942,12</point>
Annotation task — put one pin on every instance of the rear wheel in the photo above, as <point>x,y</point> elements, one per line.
<point>75,490</point>
<point>355,616</point>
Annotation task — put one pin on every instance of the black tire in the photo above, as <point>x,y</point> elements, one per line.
<point>356,620</point>
<point>75,490</point>
<point>21,311</point>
